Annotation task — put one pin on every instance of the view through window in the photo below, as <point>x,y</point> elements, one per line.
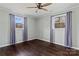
<point>19,22</point>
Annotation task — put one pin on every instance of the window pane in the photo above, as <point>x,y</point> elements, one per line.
<point>19,22</point>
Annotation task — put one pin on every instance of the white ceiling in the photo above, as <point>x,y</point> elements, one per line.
<point>20,8</point>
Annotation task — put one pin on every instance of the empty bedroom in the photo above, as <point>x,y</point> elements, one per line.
<point>39,29</point>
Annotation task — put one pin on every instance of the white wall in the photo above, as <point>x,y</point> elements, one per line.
<point>31,28</point>
<point>59,36</point>
<point>19,35</point>
<point>44,28</point>
<point>75,27</point>
<point>4,28</point>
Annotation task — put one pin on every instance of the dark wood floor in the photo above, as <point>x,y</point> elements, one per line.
<point>37,48</point>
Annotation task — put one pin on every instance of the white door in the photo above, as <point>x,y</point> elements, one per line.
<point>19,28</point>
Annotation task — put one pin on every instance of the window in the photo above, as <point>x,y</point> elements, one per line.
<point>19,22</point>
<point>60,22</point>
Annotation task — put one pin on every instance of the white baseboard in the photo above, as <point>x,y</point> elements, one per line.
<point>4,45</point>
<point>59,44</point>
<point>65,46</point>
<point>75,48</point>
<point>9,44</point>
<point>44,40</point>
<point>69,47</point>
<point>19,42</point>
